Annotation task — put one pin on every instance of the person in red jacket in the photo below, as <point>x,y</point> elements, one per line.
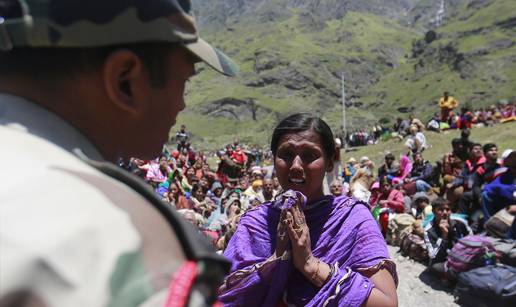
<point>389,199</point>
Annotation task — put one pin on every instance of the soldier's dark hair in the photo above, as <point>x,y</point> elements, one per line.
<point>302,122</point>
<point>50,65</point>
<point>54,64</point>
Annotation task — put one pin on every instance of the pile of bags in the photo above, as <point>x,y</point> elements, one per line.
<point>485,270</point>
<point>407,233</point>
<point>484,266</point>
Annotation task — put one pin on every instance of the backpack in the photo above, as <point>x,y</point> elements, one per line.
<point>471,252</point>
<point>399,227</point>
<point>498,225</point>
<point>414,247</point>
<point>506,250</point>
<point>493,285</point>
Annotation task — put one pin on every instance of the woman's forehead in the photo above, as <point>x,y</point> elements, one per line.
<point>305,138</point>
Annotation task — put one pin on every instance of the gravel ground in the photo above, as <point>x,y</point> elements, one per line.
<point>416,287</point>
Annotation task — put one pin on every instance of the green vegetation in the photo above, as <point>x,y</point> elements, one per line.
<point>291,60</point>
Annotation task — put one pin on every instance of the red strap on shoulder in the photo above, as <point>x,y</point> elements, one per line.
<point>181,284</point>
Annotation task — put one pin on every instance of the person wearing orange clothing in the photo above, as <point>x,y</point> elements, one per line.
<point>447,103</point>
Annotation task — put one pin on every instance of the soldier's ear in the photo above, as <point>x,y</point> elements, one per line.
<point>125,80</point>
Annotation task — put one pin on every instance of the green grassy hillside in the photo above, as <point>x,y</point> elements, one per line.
<point>482,40</point>
<point>291,55</point>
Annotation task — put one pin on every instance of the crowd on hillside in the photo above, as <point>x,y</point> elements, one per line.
<point>464,177</point>
<point>425,208</point>
<point>447,119</point>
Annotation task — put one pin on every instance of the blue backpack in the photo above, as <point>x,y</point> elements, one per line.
<point>493,285</point>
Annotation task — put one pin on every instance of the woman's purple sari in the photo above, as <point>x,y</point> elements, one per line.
<point>343,234</point>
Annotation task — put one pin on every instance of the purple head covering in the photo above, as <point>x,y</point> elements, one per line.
<point>343,234</point>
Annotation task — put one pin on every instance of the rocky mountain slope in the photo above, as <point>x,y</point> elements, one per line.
<point>397,56</point>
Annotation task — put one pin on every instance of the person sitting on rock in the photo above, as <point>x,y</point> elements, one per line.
<point>441,234</point>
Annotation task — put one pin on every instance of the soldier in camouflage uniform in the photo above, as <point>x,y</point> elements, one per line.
<point>83,82</point>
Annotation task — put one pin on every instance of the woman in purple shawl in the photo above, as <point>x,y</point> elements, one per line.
<point>308,251</point>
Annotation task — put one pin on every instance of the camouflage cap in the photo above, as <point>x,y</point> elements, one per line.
<point>92,23</point>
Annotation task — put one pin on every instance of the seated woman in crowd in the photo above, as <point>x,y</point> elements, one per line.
<point>389,199</point>
<point>158,172</point>
<point>175,197</point>
<point>441,234</point>
<point>404,171</point>
<point>199,202</point>
<point>325,251</point>
<point>229,208</point>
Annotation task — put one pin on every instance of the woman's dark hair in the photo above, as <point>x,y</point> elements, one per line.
<point>174,182</point>
<point>196,187</point>
<point>300,122</point>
